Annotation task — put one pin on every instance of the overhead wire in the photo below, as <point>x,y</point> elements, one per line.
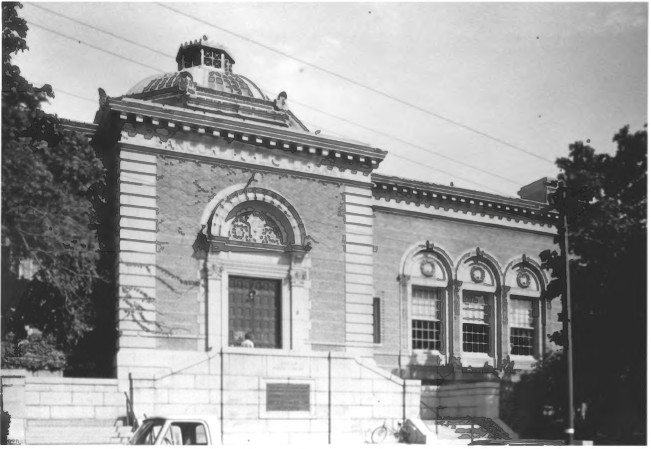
<point>138,44</point>
<point>412,144</point>
<point>79,41</point>
<point>360,84</point>
<point>454,175</point>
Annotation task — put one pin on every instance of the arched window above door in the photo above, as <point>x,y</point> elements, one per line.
<point>254,218</point>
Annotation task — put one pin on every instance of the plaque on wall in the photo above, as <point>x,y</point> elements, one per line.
<point>283,397</point>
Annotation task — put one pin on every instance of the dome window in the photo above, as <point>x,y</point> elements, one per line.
<point>212,59</point>
<point>202,52</point>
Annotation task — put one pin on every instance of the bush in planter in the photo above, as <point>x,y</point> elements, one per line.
<point>35,352</point>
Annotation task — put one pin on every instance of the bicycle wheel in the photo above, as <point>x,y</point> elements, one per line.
<point>379,434</point>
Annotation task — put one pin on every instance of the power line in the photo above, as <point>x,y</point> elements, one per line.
<point>363,86</point>
<point>100,30</point>
<point>31,22</point>
<point>61,91</point>
<point>305,105</point>
<point>398,139</point>
<point>454,175</point>
<point>420,163</point>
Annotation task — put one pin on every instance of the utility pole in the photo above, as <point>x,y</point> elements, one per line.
<point>561,206</point>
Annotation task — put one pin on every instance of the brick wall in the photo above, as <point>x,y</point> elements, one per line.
<point>394,234</point>
<point>185,188</point>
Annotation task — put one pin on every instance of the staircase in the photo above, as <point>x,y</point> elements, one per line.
<point>74,411</point>
<point>464,430</point>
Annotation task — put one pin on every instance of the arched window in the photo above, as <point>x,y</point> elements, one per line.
<point>478,283</point>
<point>255,226</point>
<point>256,217</point>
<point>524,284</point>
<point>426,296</point>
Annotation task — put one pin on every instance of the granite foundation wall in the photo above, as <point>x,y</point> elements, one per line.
<point>348,396</point>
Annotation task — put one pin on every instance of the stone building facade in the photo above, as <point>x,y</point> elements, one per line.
<point>366,295</point>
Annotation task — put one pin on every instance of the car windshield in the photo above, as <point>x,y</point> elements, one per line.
<point>148,432</point>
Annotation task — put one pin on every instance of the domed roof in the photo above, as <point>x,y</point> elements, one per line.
<point>205,82</point>
<point>209,65</point>
<point>204,77</point>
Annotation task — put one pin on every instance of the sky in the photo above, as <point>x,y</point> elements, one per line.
<point>482,95</point>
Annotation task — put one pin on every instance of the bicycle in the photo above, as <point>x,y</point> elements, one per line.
<point>380,434</point>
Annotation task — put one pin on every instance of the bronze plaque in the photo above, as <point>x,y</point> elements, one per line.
<point>288,397</point>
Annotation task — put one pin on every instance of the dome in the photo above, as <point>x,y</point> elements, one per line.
<point>204,81</point>
<point>203,77</point>
<point>209,65</point>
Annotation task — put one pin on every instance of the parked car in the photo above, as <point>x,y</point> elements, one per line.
<point>177,430</point>
<point>517,443</point>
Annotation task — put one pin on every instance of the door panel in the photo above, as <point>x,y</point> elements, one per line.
<point>254,306</point>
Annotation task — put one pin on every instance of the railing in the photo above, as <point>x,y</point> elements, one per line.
<point>131,414</point>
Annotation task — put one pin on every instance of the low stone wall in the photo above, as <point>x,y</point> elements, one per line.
<point>461,400</point>
<point>13,401</point>
<point>348,396</point>
<point>32,399</point>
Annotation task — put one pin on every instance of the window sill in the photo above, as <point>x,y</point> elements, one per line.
<point>423,356</point>
<point>476,360</point>
<point>525,362</point>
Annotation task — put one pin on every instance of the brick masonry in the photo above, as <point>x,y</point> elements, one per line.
<point>185,188</point>
<point>394,234</point>
<point>356,255</point>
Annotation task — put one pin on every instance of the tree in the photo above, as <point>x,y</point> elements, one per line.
<point>49,176</point>
<point>606,210</point>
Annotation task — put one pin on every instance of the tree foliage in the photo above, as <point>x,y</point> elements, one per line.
<point>607,212</point>
<point>49,176</point>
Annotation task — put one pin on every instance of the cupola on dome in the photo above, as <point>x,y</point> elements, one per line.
<point>205,81</point>
<point>210,66</point>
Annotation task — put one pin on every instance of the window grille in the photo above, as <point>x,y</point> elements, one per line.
<point>426,318</point>
<point>212,59</point>
<point>476,312</point>
<point>521,341</point>
<point>476,337</point>
<point>522,328</point>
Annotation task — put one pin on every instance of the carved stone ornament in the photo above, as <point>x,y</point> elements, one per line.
<point>403,279</point>
<point>457,299</point>
<point>523,279</point>
<point>427,268</point>
<point>477,274</point>
<point>505,304</point>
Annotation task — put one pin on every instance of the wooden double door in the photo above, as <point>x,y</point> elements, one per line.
<point>254,305</point>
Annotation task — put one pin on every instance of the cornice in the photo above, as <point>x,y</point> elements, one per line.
<point>425,194</point>
<point>337,153</point>
<point>87,129</point>
<point>238,154</point>
<point>469,217</point>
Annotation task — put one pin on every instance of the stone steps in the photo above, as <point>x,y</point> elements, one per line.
<point>462,431</point>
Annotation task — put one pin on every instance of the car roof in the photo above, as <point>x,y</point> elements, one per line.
<point>180,417</point>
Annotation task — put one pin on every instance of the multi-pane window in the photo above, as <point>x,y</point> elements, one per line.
<point>426,317</point>
<point>476,312</point>
<point>212,59</point>
<point>522,326</point>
